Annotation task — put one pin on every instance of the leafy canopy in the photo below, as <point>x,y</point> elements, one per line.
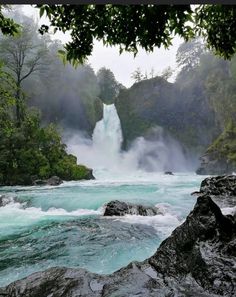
<point>133,26</point>
<point>146,26</point>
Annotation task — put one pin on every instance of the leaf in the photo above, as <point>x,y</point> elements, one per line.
<point>41,11</point>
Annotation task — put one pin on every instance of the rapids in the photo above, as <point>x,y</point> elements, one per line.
<point>64,226</point>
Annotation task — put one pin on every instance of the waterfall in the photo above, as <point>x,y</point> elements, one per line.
<point>107,135</point>
<point>103,152</point>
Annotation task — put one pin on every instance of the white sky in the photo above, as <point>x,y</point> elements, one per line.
<point>121,65</point>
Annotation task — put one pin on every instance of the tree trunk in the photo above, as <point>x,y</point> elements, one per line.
<point>18,106</point>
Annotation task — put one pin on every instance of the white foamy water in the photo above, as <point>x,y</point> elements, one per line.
<point>103,152</point>
<point>64,226</point>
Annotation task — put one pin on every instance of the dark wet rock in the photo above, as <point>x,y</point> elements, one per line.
<point>121,208</point>
<point>224,185</point>
<point>52,181</point>
<point>169,173</point>
<point>222,189</point>
<point>199,251</point>
<point>196,193</point>
<point>54,282</point>
<point>198,259</point>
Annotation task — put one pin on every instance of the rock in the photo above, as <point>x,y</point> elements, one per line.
<point>89,175</point>
<point>197,260</point>
<point>39,182</point>
<point>213,165</point>
<point>222,189</point>
<point>52,181</point>
<point>224,185</point>
<point>196,193</point>
<point>121,208</point>
<point>169,173</point>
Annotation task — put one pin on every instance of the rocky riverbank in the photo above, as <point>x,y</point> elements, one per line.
<point>198,259</point>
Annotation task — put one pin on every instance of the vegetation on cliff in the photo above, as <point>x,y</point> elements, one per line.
<point>224,147</point>
<point>195,109</point>
<point>183,111</point>
<point>65,95</point>
<point>28,149</point>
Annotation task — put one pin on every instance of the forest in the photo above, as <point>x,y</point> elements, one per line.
<point>109,188</point>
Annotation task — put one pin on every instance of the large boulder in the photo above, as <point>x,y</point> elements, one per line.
<point>222,189</point>
<point>121,208</point>
<point>198,259</point>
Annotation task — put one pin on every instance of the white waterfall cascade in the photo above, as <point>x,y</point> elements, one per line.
<point>107,137</point>
<point>103,152</point>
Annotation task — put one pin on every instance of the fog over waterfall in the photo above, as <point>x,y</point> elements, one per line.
<point>157,153</point>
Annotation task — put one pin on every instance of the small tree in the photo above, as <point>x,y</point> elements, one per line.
<point>23,55</point>
<point>167,72</point>
<point>137,75</point>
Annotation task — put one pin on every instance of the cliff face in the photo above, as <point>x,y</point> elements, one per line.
<point>183,112</point>
<point>220,157</point>
<point>198,259</point>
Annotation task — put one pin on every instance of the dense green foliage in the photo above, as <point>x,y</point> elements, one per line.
<point>7,25</point>
<point>29,150</point>
<point>32,152</point>
<point>224,147</point>
<point>65,95</point>
<point>195,109</point>
<point>184,113</point>
<point>109,86</point>
<point>23,55</point>
<point>147,26</point>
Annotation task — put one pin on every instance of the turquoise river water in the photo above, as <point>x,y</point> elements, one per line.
<point>64,226</point>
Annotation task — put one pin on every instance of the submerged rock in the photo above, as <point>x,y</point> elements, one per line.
<point>121,208</point>
<point>169,173</point>
<point>198,259</point>
<point>52,181</point>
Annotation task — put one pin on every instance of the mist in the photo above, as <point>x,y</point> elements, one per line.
<point>158,152</point>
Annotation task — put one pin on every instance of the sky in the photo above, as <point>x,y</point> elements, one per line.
<point>121,65</point>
